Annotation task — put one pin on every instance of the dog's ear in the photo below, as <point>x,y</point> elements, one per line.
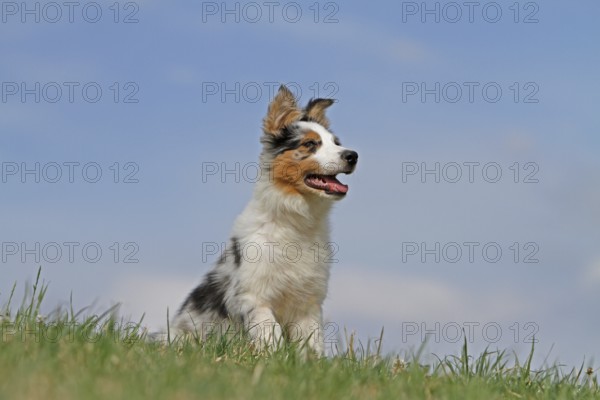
<point>283,110</point>
<point>315,111</point>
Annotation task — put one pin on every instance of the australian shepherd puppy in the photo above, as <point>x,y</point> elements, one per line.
<point>272,278</point>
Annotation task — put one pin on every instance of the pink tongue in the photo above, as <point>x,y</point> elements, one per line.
<point>333,185</point>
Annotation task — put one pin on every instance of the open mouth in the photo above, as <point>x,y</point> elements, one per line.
<point>328,183</point>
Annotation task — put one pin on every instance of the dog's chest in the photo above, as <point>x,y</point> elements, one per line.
<point>287,270</point>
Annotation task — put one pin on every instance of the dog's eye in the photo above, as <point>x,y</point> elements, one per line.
<point>310,144</point>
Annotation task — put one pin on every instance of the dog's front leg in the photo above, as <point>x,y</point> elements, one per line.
<point>310,329</point>
<point>264,330</point>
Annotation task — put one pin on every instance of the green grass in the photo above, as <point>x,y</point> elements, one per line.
<point>71,356</point>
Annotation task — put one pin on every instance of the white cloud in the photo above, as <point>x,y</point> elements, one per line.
<point>151,295</point>
<point>591,274</point>
<point>390,297</point>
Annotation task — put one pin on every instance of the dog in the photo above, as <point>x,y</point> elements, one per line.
<point>272,278</point>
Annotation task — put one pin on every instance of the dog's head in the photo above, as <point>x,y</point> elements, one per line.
<point>304,157</point>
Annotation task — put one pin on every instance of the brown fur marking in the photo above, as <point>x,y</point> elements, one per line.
<point>290,167</point>
<point>315,110</point>
<point>283,110</point>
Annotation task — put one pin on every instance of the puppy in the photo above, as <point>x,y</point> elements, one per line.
<point>272,278</point>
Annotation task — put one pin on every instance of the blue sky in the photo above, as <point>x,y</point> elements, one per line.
<point>167,126</point>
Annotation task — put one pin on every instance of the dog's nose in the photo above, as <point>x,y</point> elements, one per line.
<point>350,156</point>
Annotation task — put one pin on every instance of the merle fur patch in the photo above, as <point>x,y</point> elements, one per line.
<point>288,139</point>
<point>209,296</point>
<point>237,255</point>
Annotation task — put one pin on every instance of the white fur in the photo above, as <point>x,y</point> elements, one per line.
<point>329,153</point>
<point>277,291</point>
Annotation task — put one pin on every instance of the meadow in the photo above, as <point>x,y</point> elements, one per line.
<point>72,355</point>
